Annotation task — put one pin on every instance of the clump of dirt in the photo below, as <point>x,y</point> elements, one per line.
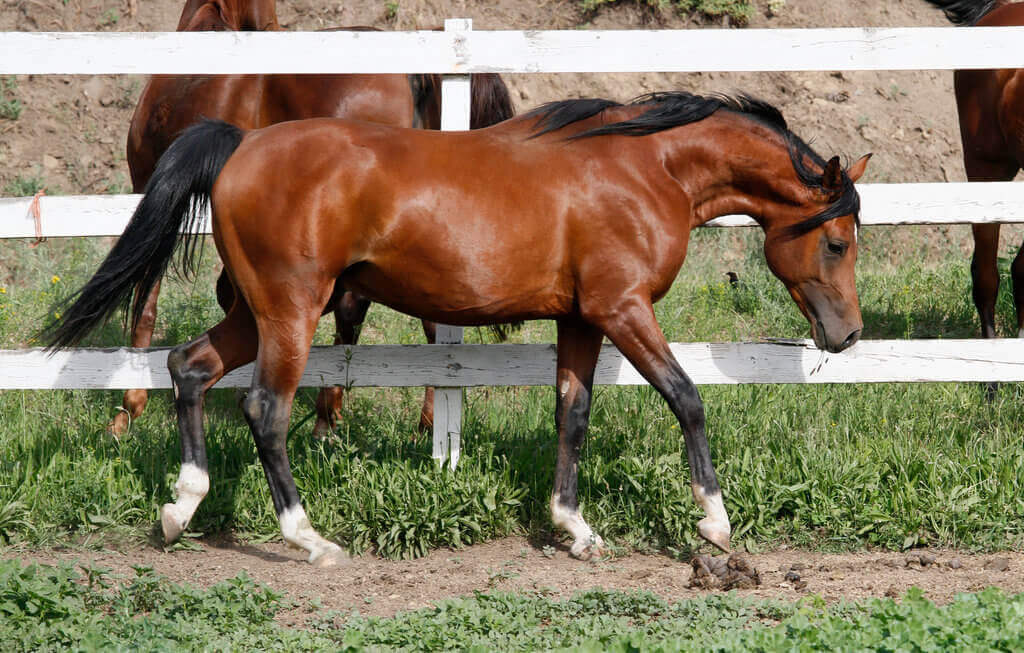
<point>723,573</point>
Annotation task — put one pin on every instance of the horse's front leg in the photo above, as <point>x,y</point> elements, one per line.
<point>578,347</point>
<point>634,330</point>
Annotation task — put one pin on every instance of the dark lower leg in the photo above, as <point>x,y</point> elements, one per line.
<point>194,368</point>
<point>578,347</point>
<point>637,335</point>
<point>1017,275</point>
<point>985,275</point>
<point>267,409</point>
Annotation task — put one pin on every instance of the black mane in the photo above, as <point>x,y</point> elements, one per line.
<point>677,108</point>
<point>964,12</point>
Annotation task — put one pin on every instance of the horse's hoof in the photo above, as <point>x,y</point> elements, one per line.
<point>329,558</point>
<point>172,523</point>
<point>322,430</point>
<point>119,425</point>
<point>426,424</point>
<point>715,533</point>
<point>589,549</point>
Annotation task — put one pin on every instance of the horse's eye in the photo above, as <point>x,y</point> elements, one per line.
<point>836,248</point>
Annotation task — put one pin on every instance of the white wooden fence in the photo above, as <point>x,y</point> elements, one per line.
<point>459,51</point>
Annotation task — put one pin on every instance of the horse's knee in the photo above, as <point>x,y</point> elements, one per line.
<point>261,409</point>
<point>189,379</point>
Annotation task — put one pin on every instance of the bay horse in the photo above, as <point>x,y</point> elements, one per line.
<point>990,104</point>
<point>170,103</point>
<point>579,211</point>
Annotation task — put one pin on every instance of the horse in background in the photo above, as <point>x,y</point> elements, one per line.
<point>990,104</point>
<point>584,217</point>
<point>170,103</point>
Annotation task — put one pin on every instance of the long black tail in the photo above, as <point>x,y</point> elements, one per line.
<point>965,12</point>
<point>174,199</point>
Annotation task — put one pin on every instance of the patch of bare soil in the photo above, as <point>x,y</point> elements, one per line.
<point>381,587</point>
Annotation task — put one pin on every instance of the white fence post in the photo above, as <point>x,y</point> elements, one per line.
<point>455,108</point>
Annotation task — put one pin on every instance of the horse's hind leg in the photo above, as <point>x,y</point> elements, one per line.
<point>134,401</point>
<point>634,330</point>
<point>985,275</point>
<point>348,318</point>
<point>194,368</point>
<point>283,351</point>
<point>578,347</point>
<point>427,408</point>
<point>984,261</point>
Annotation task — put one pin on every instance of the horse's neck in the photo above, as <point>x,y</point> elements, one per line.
<point>236,15</point>
<point>727,164</point>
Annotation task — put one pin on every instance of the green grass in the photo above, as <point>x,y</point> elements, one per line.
<point>10,106</point>
<point>738,10</point>
<point>47,608</point>
<point>834,467</point>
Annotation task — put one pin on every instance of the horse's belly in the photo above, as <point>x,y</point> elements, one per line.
<point>466,299</point>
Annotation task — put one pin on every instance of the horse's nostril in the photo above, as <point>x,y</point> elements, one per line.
<point>850,340</point>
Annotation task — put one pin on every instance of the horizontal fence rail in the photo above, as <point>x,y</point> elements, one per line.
<point>781,361</point>
<point>881,204</point>
<point>581,51</point>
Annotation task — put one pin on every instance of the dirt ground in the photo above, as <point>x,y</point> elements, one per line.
<point>380,587</point>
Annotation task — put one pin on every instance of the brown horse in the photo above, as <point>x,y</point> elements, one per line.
<point>169,104</point>
<point>579,212</point>
<point>991,106</point>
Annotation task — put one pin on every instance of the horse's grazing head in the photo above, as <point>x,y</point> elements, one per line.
<point>814,257</point>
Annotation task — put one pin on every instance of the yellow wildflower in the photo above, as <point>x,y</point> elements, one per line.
<point>54,279</point>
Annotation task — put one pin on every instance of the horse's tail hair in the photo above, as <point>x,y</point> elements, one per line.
<point>172,203</point>
<point>965,12</point>
<point>490,102</point>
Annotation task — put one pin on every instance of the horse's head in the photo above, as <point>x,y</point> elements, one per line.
<point>815,257</point>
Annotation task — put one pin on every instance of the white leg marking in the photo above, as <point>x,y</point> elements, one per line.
<point>586,544</point>
<point>193,484</point>
<point>715,526</point>
<point>298,532</point>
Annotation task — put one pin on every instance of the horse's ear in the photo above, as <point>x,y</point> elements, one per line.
<point>857,169</point>
<point>832,178</point>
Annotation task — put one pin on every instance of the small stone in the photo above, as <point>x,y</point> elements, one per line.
<point>792,576</point>
<point>927,559</point>
<point>798,566</point>
<point>954,563</point>
<point>50,162</point>
<point>998,564</point>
